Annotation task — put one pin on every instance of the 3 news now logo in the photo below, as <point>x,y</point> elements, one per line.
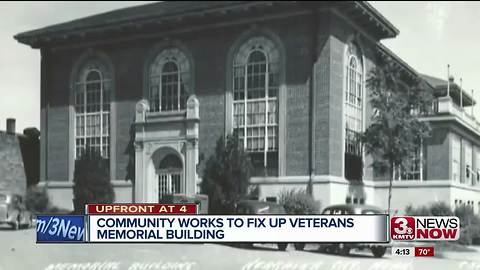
<point>60,229</point>
<point>408,228</point>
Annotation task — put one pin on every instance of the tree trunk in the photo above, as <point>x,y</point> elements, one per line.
<point>390,188</point>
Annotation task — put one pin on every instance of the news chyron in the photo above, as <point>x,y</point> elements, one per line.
<point>424,228</point>
<point>181,223</point>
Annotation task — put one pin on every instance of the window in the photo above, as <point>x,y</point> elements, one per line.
<point>413,168</point>
<point>255,102</point>
<point>353,115</point>
<point>477,173</point>
<point>170,176</point>
<point>467,167</point>
<point>168,81</point>
<point>478,177</point>
<point>353,97</point>
<point>456,154</point>
<point>273,199</point>
<point>92,110</point>
<point>354,199</point>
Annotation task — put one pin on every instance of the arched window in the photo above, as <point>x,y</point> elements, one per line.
<point>255,101</point>
<point>353,114</point>
<point>169,81</point>
<point>92,110</point>
<point>354,95</point>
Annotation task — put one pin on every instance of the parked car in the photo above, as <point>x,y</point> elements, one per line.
<point>378,250</point>
<point>251,207</point>
<point>13,211</point>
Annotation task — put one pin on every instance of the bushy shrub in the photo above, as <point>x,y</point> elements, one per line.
<point>469,224</point>
<point>226,176</point>
<point>53,210</point>
<point>36,199</point>
<point>91,181</point>
<point>253,192</point>
<point>433,209</point>
<point>298,202</point>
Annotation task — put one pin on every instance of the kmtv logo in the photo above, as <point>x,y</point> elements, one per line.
<point>424,228</point>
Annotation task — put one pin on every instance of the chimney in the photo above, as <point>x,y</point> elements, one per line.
<point>10,125</point>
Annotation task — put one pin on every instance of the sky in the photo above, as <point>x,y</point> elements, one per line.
<point>432,35</point>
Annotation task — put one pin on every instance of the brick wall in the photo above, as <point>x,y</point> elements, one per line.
<point>297,131</point>
<point>437,155</point>
<point>57,124</point>
<point>337,50</point>
<point>12,172</point>
<point>209,50</point>
<point>329,86</point>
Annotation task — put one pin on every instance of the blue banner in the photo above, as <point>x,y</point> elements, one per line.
<point>60,229</point>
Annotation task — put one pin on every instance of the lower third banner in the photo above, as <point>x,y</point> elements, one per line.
<point>241,228</point>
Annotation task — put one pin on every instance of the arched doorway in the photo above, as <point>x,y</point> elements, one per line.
<point>170,176</point>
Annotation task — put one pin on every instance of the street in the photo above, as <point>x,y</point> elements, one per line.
<point>18,250</point>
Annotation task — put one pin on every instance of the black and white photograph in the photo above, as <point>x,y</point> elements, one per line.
<point>321,109</point>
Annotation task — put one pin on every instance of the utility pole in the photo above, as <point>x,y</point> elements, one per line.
<point>448,80</point>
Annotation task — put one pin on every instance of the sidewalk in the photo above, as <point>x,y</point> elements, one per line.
<point>464,256</point>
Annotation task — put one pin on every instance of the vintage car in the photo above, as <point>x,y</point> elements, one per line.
<point>13,211</point>
<point>378,250</point>
<point>252,207</point>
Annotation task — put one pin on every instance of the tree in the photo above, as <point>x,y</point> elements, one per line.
<point>396,131</point>
<point>226,175</point>
<point>91,181</point>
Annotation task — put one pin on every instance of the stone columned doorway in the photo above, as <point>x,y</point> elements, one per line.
<point>166,151</point>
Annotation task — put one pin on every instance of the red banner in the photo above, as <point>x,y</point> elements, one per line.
<point>140,209</point>
<point>424,252</point>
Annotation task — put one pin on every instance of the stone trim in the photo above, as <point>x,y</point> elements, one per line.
<point>322,179</point>
<point>65,184</point>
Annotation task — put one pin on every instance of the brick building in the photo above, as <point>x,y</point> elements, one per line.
<point>19,158</point>
<point>164,81</point>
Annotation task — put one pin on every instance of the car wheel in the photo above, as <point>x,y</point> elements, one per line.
<point>329,249</point>
<point>299,246</point>
<point>334,249</point>
<point>16,225</point>
<point>30,222</point>
<point>343,250</point>
<point>282,246</point>
<point>378,252</point>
